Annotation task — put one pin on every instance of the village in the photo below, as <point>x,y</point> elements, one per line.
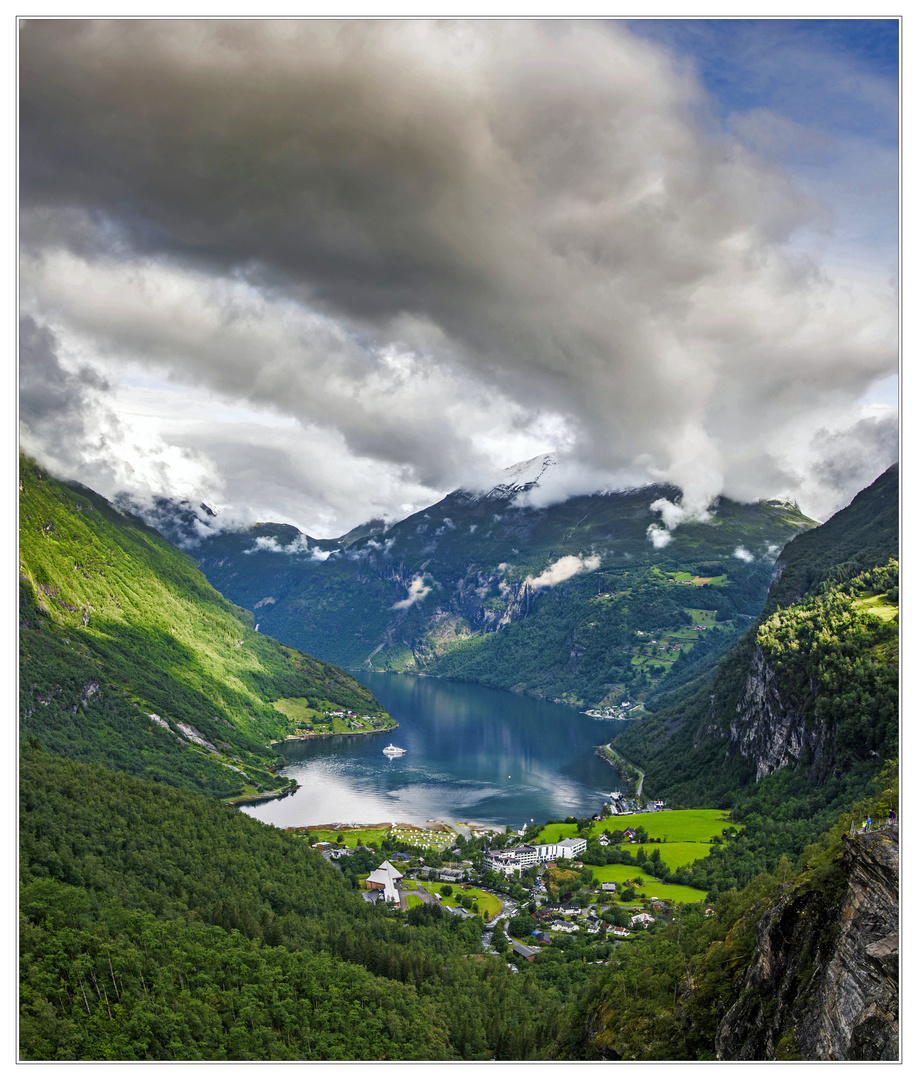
<point>312,723</point>
<point>529,896</point>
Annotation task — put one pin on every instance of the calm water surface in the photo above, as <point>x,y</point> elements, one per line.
<point>473,755</point>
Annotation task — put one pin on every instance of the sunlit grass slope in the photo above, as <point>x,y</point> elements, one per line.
<point>130,658</point>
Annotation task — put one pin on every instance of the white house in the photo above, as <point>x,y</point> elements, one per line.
<point>385,878</point>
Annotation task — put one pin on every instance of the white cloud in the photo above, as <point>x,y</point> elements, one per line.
<point>298,546</point>
<point>417,591</point>
<point>744,555</point>
<point>562,569</point>
<point>658,535</point>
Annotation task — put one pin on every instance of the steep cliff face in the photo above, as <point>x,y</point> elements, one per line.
<point>770,728</point>
<point>824,982</point>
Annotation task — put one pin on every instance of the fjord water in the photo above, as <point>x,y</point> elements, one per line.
<point>473,755</point>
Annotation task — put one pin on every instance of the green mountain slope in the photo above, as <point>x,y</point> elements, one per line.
<point>813,685</point>
<point>475,588</point>
<point>130,658</point>
<point>157,924</point>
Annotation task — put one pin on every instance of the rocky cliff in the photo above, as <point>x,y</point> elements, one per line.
<point>824,981</point>
<point>770,728</point>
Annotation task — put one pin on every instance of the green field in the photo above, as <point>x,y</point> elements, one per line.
<point>876,605</point>
<point>551,834</point>
<point>620,872</point>
<point>702,616</point>
<point>674,855</point>
<point>617,872</point>
<point>671,826</point>
<point>488,904</point>
<point>682,576</point>
<point>296,709</point>
<point>676,894</point>
<point>352,837</point>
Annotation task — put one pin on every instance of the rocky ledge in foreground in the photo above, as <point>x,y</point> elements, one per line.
<point>824,982</point>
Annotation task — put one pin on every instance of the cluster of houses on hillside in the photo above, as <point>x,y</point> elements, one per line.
<point>561,919</point>
<point>324,847</point>
<point>355,721</point>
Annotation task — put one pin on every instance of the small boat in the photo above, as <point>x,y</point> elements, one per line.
<point>393,751</point>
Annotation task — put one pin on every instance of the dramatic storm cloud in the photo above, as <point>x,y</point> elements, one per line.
<point>323,271</point>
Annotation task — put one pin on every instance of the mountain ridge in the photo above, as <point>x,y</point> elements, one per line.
<point>429,593</point>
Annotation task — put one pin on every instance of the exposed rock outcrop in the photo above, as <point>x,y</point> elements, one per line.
<point>770,730</point>
<point>824,982</point>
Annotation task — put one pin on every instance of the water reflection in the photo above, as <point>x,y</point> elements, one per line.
<point>473,754</point>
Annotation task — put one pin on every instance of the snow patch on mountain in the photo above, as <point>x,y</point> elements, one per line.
<point>547,480</point>
<point>516,479</point>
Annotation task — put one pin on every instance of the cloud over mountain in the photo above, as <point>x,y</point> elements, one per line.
<point>418,249</point>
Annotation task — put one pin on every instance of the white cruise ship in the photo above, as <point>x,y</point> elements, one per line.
<point>393,751</point>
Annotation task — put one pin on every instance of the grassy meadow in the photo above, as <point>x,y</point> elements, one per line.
<point>671,826</point>
<point>621,872</point>
<point>352,837</point>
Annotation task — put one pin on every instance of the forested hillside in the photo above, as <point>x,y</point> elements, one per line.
<point>157,924</point>
<point>813,686</point>
<point>128,657</point>
<point>800,963</point>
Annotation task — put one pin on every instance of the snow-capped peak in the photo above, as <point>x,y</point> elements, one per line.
<point>519,477</point>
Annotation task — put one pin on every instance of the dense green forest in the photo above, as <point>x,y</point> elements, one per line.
<point>128,657</point>
<point>158,924</point>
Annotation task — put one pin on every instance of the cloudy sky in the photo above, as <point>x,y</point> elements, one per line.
<point>320,271</point>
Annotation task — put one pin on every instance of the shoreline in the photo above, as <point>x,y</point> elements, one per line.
<point>330,735</point>
<point>438,826</point>
<point>268,797</point>
<point>432,825</point>
<point>622,766</point>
